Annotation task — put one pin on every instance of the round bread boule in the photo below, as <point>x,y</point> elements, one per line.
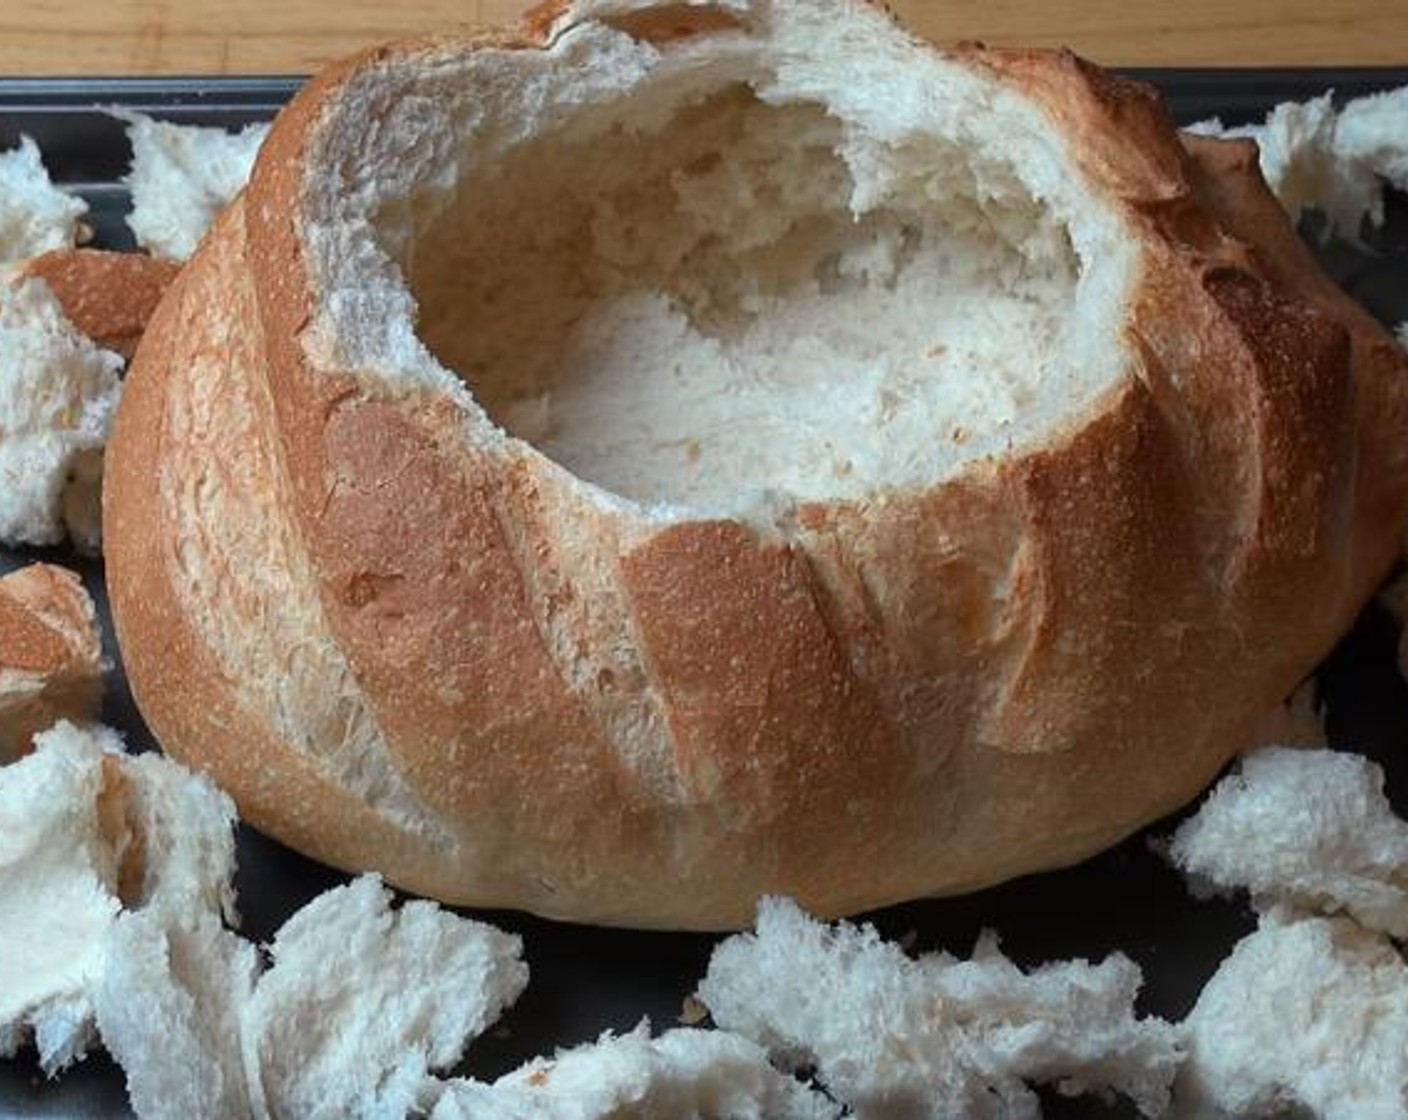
<point>667,454</point>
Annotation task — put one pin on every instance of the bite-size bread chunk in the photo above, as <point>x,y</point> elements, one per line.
<point>86,830</point>
<point>363,1002</point>
<point>1307,829</point>
<point>936,1037</point>
<point>35,216</point>
<point>1309,1014</point>
<point>683,1073</point>
<point>51,662</point>
<point>181,177</point>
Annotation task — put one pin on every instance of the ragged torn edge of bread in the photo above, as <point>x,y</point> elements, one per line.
<point>58,397</point>
<point>69,320</point>
<point>1307,829</point>
<point>1337,162</point>
<point>181,177</point>
<point>683,1072</point>
<point>1310,1010</point>
<point>936,1036</point>
<point>51,659</point>
<point>35,215</point>
<point>86,833</point>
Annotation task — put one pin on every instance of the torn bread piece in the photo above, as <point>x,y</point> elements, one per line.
<point>85,830</point>
<point>51,664</point>
<point>35,215</point>
<point>182,177</point>
<point>1372,132</point>
<point>363,1002</point>
<point>108,297</point>
<point>58,395</point>
<point>1315,158</point>
<point>59,870</point>
<point>704,1074</point>
<point>172,989</point>
<point>1309,1014</point>
<point>1310,829</point>
<point>937,1036</point>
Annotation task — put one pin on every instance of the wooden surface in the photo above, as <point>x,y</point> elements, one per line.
<point>100,37</point>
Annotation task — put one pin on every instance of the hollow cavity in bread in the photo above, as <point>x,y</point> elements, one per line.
<point>751,279</point>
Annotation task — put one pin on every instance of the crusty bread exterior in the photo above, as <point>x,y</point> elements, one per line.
<point>353,613</point>
<point>50,655</point>
<point>107,296</point>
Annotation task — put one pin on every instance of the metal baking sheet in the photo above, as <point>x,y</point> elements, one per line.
<point>587,980</point>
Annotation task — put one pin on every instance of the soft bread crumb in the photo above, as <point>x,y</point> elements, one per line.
<point>58,395</point>
<point>1310,829</point>
<point>84,829</point>
<point>935,1037</point>
<point>709,1075</point>
<point>723,277</point>
<point>1316,159</point>
<point>182,177</point>
<point>1311,1014</point>
<point>174,984</point>
<point>363,1001</point>
<point>187,827</point>
<point>58,893</point>
<point>51,663</point>
<point>35,216</point>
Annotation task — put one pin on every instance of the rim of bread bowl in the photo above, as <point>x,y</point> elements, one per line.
<point>313,161</point>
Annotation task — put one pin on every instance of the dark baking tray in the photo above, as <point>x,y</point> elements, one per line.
<point>587,980</point>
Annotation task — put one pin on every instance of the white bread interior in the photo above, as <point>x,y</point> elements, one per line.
<point>35,215</point>
<point>936,1036</point>
<point>703,1074</point>
<point>58,394</point>
<point>1306,1017</point>
<point>168,1004</point>
<point>1311,829</point>
<point>825,263</point>
<point>1336,161</point>
<point>363,1002</point>
<point>181,177</point>
<point>58,895</point>
<point>86,831</point>
<point>1310,1011</point>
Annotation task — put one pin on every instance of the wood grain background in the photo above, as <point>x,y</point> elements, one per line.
<point>103,37</point>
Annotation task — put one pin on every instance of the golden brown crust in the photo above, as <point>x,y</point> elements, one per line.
<point>107,296</point>
<point>50,655</point>
<point>922,693</point>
